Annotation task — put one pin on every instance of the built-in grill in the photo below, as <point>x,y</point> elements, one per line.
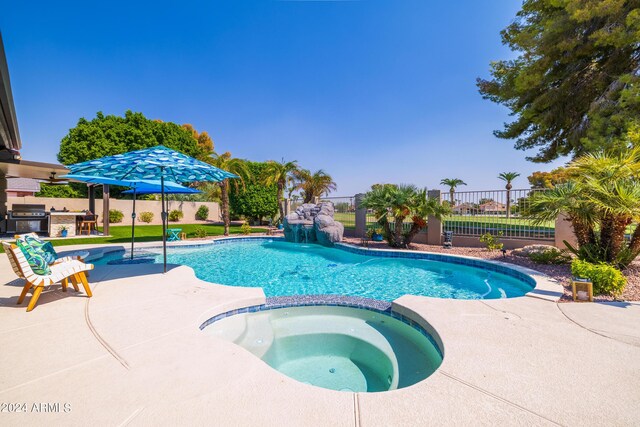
<point>27,218</point>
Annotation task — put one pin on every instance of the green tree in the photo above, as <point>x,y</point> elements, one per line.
<point>540,180</point>
<point>392,204</point>
<point>574,86</point>
<point>315,184</point>
<point>280,174</point>
<point>204,140</point>
<point>254,200</point>
<point>109,135</point>
<point>452,183</point>
<point>508,177</point>
<point>58,191</point>
<point>237,167</point>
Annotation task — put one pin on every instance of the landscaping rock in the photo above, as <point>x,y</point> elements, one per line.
<point>311,223</point>
<point>532,249</point>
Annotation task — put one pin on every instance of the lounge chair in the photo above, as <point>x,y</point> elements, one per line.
<point>62,272</point>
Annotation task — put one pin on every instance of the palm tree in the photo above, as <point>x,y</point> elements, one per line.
<point>314,185</point>
<point>452,183</point>
<point>280,174</point>
<point>601,200</point>
<point>392,204</point>
<point>235,166</point>
<point>508,177</point>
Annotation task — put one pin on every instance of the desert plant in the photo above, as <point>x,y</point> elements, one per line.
<point>245,229</point>
<point>452,183</point>
<point>200,232</point>
<point>601,200</point>
<point>550,256</point>
<point>392,204</point>
<point>176,215</point>
<point>238,167</point>
<point>605,278</point>
<point>508,177</point>
<point>280,174</point>
<point>492,242</point>
<point>202,213</point>
<point>115,216</point>
<point>314,184</point>
<point>146,217</point>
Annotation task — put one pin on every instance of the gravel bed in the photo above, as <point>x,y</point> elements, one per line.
<point>561,273</point>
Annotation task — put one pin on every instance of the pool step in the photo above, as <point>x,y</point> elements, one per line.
<point>257,336</point>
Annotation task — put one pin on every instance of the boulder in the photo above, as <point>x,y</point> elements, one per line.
<point>532,249</point>
<point>310,223</point>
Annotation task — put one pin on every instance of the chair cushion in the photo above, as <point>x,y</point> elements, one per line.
<point>35,258</point>
<point>49,253</point>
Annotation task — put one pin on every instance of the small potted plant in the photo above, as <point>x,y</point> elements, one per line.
<point>63,231</point>
<point>375,234</point>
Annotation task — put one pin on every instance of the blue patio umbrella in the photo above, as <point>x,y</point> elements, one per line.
<point>155,163</point>
<point>137,187</point>
<point>145,188</point>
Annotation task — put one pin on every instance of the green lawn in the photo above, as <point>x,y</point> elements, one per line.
<point>146,233</point>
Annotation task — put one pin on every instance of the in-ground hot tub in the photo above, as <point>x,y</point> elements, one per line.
<point>340,348</point>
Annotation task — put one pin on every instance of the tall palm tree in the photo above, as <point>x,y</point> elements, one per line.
<point>314,185</point>
<point>452,183</point>
<point>508,177</point>
<point>236,166</point>
<point>280,174</point>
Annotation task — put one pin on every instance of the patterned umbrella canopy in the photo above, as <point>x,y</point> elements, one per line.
<point>155,163</point>
<point>151,164</point>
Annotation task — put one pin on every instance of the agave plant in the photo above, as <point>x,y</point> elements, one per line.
<point>393,204</point>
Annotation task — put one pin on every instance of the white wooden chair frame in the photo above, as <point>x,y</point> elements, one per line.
<point>62,271</point>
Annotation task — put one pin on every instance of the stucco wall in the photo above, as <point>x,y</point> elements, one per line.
<point>188,208</point>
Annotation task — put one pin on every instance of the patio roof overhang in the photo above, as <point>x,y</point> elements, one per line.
<point>29,169</point>
<point>9,133</point>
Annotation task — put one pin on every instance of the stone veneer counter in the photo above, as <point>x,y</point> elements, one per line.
<point>59,219</point>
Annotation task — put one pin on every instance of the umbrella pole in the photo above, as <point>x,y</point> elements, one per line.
<point>164,223</point>
<point>133,222</point>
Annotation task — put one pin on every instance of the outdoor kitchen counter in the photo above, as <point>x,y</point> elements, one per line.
<point>57,220</point>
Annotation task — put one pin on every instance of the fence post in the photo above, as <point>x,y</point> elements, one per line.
<point>434,225</point>
<point>361,216</point>
<point>564,231</point>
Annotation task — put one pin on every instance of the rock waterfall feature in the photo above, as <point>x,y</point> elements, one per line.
<point>313,223</point>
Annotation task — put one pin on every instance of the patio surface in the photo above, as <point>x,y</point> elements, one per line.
<point>133,355</point>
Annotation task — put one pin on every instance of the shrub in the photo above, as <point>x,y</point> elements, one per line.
<point>606,278</point>
<point>200,232</point>
<point>203,213</point>
<point>245,229</point>
<point>115,216</point>
<point>146,217</point>
<point>175,215</point>
<point>550,256</point>
<point>492,242</point>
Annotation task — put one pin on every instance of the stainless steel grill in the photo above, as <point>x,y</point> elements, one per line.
<point>25,218</point>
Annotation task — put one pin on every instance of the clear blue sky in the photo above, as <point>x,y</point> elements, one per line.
<point>370,91</point>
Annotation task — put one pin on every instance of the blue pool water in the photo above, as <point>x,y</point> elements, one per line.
<point>283,268</point>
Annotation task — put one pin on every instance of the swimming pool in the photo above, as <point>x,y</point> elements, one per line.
<point>340,348</point>
<point>282,268</point>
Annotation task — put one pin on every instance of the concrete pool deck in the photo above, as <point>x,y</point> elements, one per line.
<point>133,355</point>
